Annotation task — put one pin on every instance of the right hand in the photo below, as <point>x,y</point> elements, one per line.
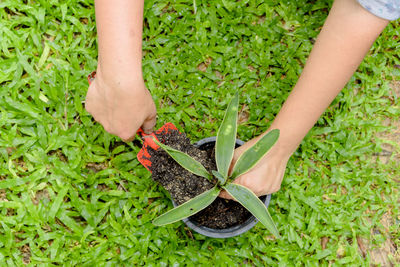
<point>121,105</point>
<point>266,177</point>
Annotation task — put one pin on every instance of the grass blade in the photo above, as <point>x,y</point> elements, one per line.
<point>188,208</point>
<point>253,204</point>
<point>57,203</point>
<point>186,161</point>
<point>254,154</point>
<point>226,137</point>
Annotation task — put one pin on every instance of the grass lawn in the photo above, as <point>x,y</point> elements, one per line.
<point>71,194</point>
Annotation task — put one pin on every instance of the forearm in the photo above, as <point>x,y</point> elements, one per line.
<point>119,29</point>
<point>345,38</point>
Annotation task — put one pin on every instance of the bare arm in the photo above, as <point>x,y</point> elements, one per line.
<point>119,29</point>
<point>346,37</point>
<point>118,98</point>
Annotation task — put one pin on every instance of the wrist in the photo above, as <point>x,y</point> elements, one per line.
<point>282,150</point>
<point>286,145</point>
<point>120,78</point>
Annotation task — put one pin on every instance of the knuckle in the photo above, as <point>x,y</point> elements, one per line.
<point>275,188</point>
<point>107,129</point>
<point>88,106</point>
<point>125,135</point>
<point>246,183</point>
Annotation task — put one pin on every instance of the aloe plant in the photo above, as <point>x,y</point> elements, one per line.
<point>224,149</point>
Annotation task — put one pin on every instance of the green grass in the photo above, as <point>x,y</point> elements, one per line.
<point>71,194</point>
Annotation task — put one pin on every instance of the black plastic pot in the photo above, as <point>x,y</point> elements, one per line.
<point>204,144</point>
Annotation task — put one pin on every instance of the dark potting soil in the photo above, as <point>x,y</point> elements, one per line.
<point>183,185</point>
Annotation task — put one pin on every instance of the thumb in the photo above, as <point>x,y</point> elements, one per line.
<point>224,194</point>
<point>149,124</point>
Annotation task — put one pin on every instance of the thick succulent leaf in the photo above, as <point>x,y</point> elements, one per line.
<point>226,137</point>
<point>254,154</point>
<point>253,204</point>
<point>188,208</point>
<point>218,176</point>
<point>186,161</point>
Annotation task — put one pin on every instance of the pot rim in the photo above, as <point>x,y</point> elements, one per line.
<point>227,232</point>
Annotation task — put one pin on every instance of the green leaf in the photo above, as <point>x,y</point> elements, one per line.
<point>57,203</point>
<point>45,55</point>
<point>253,204</point>
<point>218,176</point>
<point>188,208</point>
<point>226,137</point>
<point>254,154</point>
<point>185,161</point>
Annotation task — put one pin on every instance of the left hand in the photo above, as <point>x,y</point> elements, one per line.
<point>264,178</point>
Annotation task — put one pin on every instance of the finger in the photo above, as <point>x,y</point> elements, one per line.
<point>89,103</point>
<point>224,194</point>
<point>149,124</point>
<point>130,139</point>
<point>127,135</point>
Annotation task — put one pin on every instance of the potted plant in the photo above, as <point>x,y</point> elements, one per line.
<point>222,179</point>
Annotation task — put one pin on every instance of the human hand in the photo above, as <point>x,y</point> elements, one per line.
<point>121,105</point>
<point>266,177</point>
